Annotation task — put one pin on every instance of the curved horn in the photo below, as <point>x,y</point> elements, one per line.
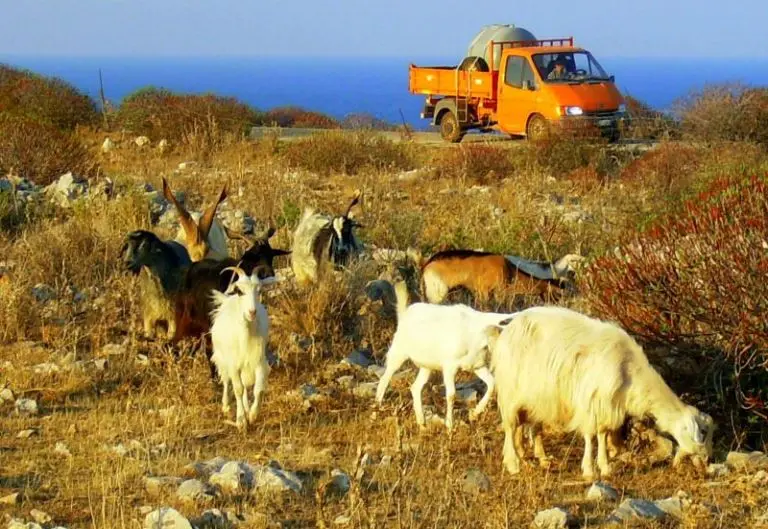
<point>235,270</point>
<point>186,220</point>
<point>270,231</point>
<point>353,203</point>
<point>235,235</point>
<point>210,214</point>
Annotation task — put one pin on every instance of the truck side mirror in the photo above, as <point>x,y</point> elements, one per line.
<point>528,85</point>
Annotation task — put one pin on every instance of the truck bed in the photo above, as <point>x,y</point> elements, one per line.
<point>441,81</point>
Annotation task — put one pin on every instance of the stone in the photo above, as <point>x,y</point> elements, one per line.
<point>346,381</point>
<point>18,524</point>
<point>156,485</point>
<point>385,461</point>
<point>600,491</point>
<point>634,509</point>
<point>475,481</point>
<point>377,370</point>
<point>6,395</point>
<point>340,483</point>
<point>107,146</point>
<point>40,517</point>
<point>233,477</point>
<point>100,364</point>
<point>66,189</point>
<point>43,293</point>
<point>672,506</point>
<point>747,461</point>
<point>270,478</point>
<point>141,141</point>
<point>11,499</point>
<point>183,166</point>
<point>555,518</point>
<point>26,407</point>
<point>194,490</point>
<point>46,368</point>
<point>718,470</point>
<point>365,389</point>
<point>162,145</point>
<point>212,519</point>
<point>342,519</point>
<point>62,450</point>
<point>308,391</point>
<point>360,358</point>
<point>26,434</point>
<point>166,518</point>
<point>203,469</point>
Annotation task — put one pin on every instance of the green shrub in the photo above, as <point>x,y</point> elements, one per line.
<point>561,152</point>
<point>161,114</point>
<point>347,153</point>
<point>647,123</point>
<point>696,280</point>
<point>726,113</point>
<point>45,99</point>
<point>40,151</point>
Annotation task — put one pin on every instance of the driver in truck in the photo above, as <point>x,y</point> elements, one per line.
<point>558,72</point>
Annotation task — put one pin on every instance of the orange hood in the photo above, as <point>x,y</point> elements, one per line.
<point>589,96</point>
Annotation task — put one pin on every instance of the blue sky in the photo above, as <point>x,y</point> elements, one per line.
<point>403,28</point>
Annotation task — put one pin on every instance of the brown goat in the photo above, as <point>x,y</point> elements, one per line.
<point>483,274</point>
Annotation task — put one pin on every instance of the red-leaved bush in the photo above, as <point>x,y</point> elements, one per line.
<point>697,280</point>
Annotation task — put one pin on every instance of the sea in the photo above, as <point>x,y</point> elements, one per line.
<point>344,85</point>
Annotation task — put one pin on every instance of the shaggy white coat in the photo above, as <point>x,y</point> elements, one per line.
<point>557,367</point>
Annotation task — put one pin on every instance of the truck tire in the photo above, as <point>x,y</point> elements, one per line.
<point>537,128</point>
<point>449,127</point>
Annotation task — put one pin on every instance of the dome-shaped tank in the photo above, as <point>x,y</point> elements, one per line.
<point>497,32</point>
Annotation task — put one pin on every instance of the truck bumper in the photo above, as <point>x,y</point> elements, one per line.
<point>608,123</point>
<point>428,112</point>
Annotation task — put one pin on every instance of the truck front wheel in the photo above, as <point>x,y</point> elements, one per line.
<point>537,128</point>
<point>449,128</point>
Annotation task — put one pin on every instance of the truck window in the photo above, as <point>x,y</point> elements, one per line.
<point>513,74</point>
<point>528,73</point>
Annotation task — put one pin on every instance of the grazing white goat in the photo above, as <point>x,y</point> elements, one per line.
<point>239,334</point>
<point>557,367</point>
<point>202,234</point>
<point>439,338</point>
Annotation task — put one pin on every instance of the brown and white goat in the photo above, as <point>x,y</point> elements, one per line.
<point>483,274</point>
<point>203,234</point>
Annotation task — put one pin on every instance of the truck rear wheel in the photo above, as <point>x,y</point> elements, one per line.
<point>537,128</point>
<point>449,128</point>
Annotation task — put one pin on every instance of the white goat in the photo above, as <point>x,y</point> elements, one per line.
<point>439,338</point>
<point>239,334</point>
<point>557,367</point>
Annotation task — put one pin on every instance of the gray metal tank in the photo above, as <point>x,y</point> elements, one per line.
<point>497,32</point>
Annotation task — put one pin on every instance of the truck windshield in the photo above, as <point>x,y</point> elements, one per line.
<point>577,66</point>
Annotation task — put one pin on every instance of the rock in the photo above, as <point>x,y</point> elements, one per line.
<point>183,166</point>
<point>360,358</point>
<point>718,470</point>
<point>672,506</point>
<point>26,407</point>
<point>166,518</point>
<point>346,381</point>
<point>233,477</point>
<point>18,524</point>
<point>40,517</point>
<point>270,478</point>
<point>308,391</point>
<point>43,293</point>
<point>365,389</point>
<point>377,370</point>
<point>62,450</point>
<point>11,499</point>
<point>340,483</point>
<point>203,469</point>
<point>602,491</point>
<point>747,461</point>
<point>556,518</point>
<point>107,146</point>
<point>633,509</point>
<point>66,189</point>
<point>6,395</point>
<point>46,368</point>
<point>26,434</point>
<point>212,519</point>
<point>141,141</point>
<point>100,364</point>
<point>385,461</point>
<point>194,490</point>
<point>466,395</point>
<point>475,481</point>
<point>760,478</point>
<point>156,485</point>
<point>342,519</point>
<point>162,145</point>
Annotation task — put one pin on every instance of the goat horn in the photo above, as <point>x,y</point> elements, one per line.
<point>236,235</point>
<point>206,221</point>
<point>235,269</point>
<point>269,232</point>
<point>353,203</point>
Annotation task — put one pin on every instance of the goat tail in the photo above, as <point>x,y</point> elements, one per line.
<point>401,295</point>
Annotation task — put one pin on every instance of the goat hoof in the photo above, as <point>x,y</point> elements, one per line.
<point>545,462</point>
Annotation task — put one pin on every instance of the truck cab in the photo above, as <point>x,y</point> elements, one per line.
<point>523,89</point>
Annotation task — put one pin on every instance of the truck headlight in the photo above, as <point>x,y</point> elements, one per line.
<point>573,111</point>
<point>622,108</point>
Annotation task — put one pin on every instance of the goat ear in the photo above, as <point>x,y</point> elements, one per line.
<point>698,431</point>
<point>206,221</point>
<point>186,220</point>
<point>269,233</point>
<point>280,252</point>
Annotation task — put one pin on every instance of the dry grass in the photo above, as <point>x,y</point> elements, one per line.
<point>170,407</point>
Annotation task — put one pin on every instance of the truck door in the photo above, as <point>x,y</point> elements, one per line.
<point>518,95</point>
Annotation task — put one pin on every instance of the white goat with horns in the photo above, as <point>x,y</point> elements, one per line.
<point>239,334</point>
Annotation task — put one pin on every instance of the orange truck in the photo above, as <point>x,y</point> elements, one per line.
<point>519,87</point>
